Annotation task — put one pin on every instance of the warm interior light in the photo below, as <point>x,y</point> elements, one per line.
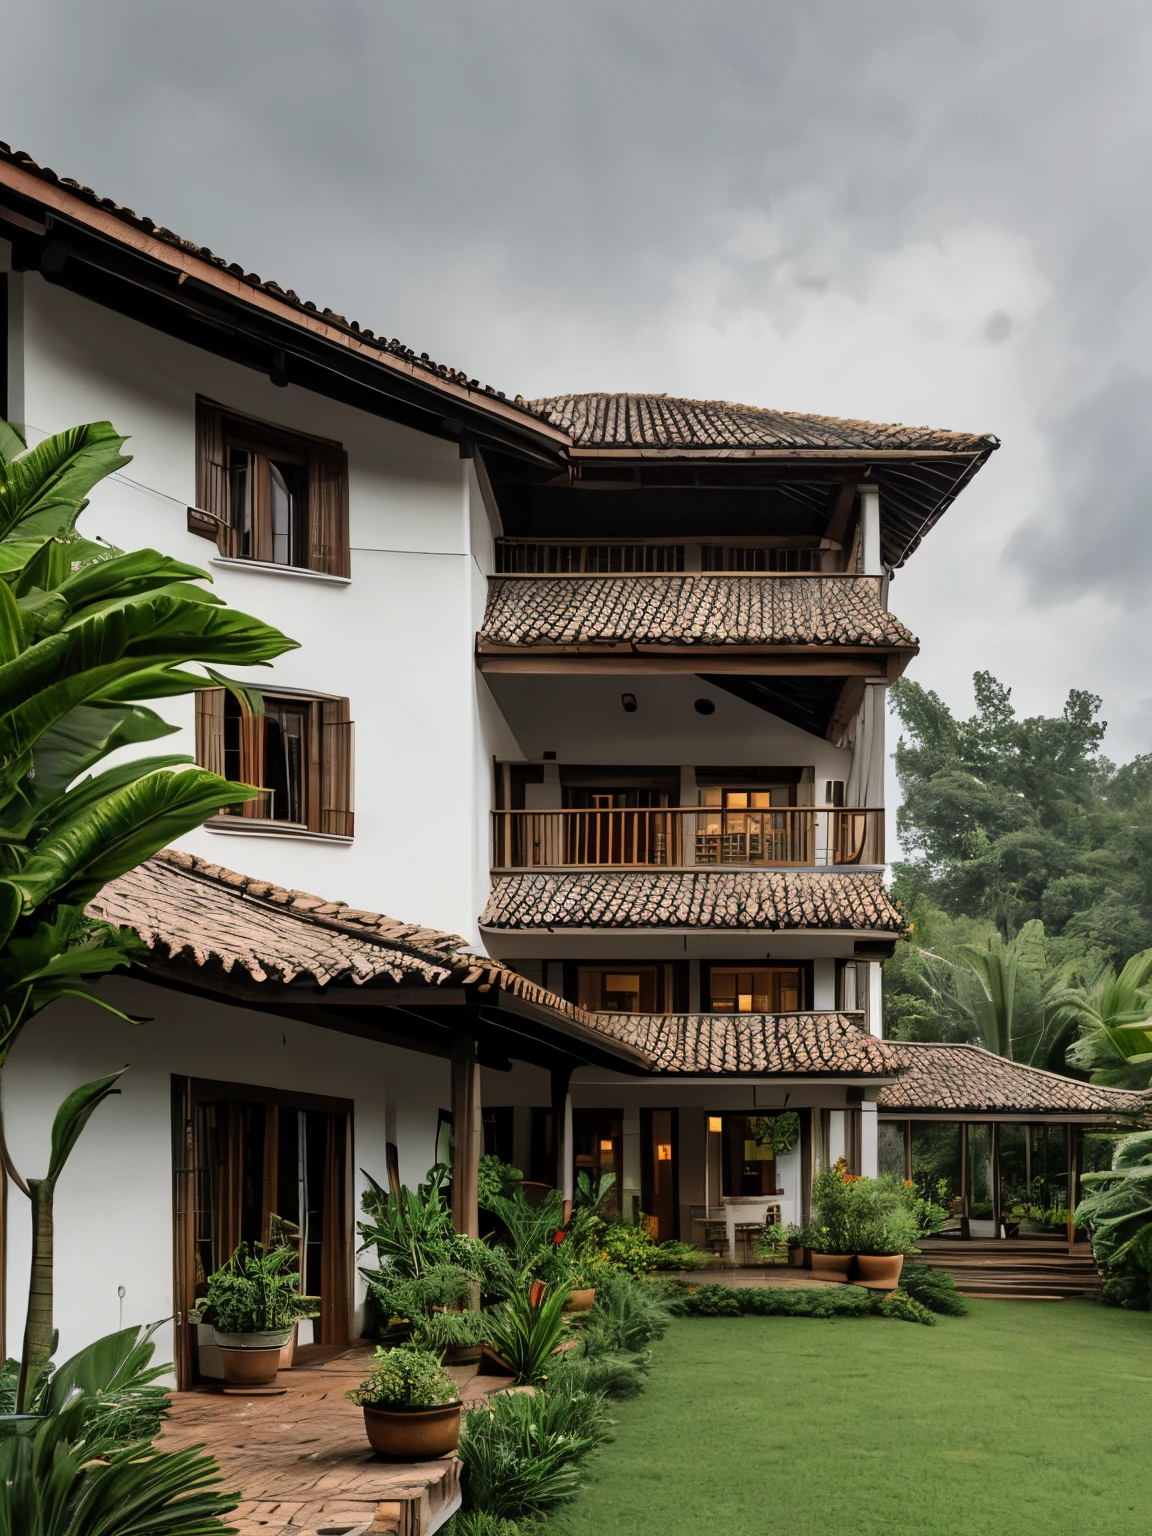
<point>663,1151</point>
<point>606,1146</point>
<point>715,1123</point>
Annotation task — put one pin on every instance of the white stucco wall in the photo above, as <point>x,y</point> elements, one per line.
<point>398,640</point>
<point>114,1201</point>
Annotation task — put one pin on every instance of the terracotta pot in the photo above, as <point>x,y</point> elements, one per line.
<point>880,1271</point>
<point>837,1266</point>
<point>288,1351</point>
<point>251,1359</point>
<point>582,1300</point>
<point>250,1367</point>
<point>413,1434</point>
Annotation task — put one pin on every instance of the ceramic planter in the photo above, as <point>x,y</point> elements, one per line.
<point>880,1271</point>
<point>837,1266</point>
<point>582,1300</point>
<point>413,1434</point>
<point>251,1359</point>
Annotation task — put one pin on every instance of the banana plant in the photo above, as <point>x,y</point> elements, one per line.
<point>1117,1211</point>
<point>90,638</point>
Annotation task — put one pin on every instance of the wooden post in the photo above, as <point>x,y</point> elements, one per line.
<point>965,1201</point>
<point>561,1077</point>
<point>1070,1143</point>
<point>1027,1165</point>
<point>567,1158</point>
<point>807,1165</point>
<point>467,1134</point>
<point>994,1173</point>
<point>908,1151</point>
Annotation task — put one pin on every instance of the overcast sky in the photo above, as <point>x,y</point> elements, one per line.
<point>901,210</point>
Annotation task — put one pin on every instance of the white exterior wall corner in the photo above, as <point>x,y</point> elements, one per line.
<point>398,640</point>
<point>114,1201</point>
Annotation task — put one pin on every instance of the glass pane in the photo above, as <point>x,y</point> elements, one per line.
<point>240,496</point>
<point>285,731</point>
<point>286,487</point>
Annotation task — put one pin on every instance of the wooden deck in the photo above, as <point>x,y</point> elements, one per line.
<point>301,1460</point>
<point>1014,1268</point>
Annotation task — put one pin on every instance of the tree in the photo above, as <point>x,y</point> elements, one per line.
<point>1016,820</point>
<point>1114,1016</point>
<point>88,633</point>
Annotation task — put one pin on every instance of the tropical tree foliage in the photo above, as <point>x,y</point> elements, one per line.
<point>1114,1016</point>
<point>89,637</point>
<point>1117,1212</point>
<point>1015,820</point>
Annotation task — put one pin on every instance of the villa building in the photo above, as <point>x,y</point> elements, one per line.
<point>589,698</point>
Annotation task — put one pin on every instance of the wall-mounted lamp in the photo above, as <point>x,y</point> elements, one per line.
<point>628,701</point>
<point>715,1124</point>
<point>606,1146</point>
<point>663,1151</point>
<point>704,707</point>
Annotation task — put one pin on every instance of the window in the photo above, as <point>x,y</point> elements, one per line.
<point>299,753</point>
<point>622,988</point>
<point>265,494</point>
<point>764,989</point>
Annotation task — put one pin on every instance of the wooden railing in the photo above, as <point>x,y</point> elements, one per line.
<point>672,837</point>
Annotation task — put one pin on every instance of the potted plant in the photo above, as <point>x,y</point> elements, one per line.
<point>828,1236</point>
<point>882,1228</point>
<point>411,1405</point>
<point>252,1304</point>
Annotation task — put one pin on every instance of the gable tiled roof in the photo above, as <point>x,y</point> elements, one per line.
<point>671,423</point>
<point>969,1079</point>
<point>712,610</point>
<point>698,898</point>
<point>371,343</point>
<point>784,1044</point>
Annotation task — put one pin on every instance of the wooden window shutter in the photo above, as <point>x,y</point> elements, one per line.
<point>210,729</point>
<point>328,549</point>
<point>211,517</point>
<point>252,762</point>
<point>336,768</point>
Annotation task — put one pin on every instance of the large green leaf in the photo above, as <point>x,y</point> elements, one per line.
<point>144,570</point>
<point>91,791</point>
<point>82,855</point>
<point>57,475</point>
<point>83,736</point>
<point>73,1115</point>
<point>12,443</point>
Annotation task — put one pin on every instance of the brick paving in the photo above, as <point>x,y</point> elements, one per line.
<point>303,1463</point>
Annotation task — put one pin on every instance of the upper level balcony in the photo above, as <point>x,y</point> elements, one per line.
<point>685,837</point>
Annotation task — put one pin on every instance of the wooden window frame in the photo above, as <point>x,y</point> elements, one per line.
<point>329,777</point>
<point>325,463</point>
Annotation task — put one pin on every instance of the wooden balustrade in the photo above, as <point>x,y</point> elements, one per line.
<point>672,837</point>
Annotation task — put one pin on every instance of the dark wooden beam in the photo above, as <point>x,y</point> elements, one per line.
<point>841,513</point>
<point>467,1132</point>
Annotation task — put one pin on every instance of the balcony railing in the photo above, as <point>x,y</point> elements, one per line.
<point>668,837</point>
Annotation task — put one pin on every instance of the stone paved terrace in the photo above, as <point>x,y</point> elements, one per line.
<point>302,1462</point>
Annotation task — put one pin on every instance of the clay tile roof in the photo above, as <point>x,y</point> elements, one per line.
<point>189,910</point>
<point>710,610</point>
<point>671,423</point>
<point>969,1079</point>
<point>785,1044</point>
<point>421,362</point>
<point>731,899</point>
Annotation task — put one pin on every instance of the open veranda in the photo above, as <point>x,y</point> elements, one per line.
<point>1024,1416</point>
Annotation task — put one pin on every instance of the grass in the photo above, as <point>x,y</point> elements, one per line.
<point>1029,1417</point>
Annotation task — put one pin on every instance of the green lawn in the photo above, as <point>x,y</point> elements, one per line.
<point>1022,1418</point>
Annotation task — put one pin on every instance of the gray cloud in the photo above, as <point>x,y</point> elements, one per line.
<point>592,194</point>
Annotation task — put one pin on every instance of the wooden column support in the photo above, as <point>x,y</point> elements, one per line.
<point>467,1133</point>
<point>561,1112</point>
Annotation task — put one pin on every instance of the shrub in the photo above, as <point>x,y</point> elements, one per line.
<point>475,1522</point>
<point>629,1248</point>
<point>448,1330</point>
<point>520,1453</point>
<point>526,1328</point>
<point>412,1230</point>
<point>934,1289</point>
<point>778,1301</point>
<point>496,1178</point>
<point>257,1291</point>
<point>627,1316</point>
<point>405,1299</point>
<point>617,1376</point>
<point>676,1255</point>
<point>405,1378</point>
<point>903,1308</point>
